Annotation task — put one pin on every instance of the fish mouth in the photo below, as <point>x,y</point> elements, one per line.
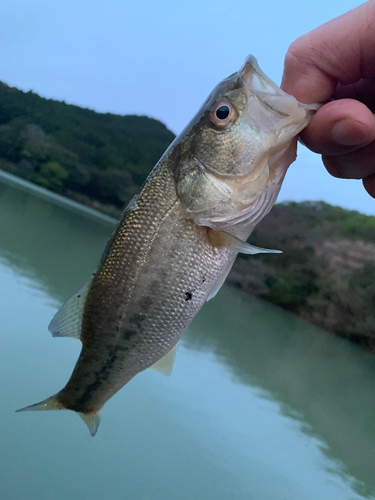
<point>271,95</point>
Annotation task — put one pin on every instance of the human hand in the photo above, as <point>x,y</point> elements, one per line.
<point>336,62</point>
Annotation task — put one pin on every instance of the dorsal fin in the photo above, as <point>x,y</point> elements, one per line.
<point>68,319</point>
<point>166,363</point>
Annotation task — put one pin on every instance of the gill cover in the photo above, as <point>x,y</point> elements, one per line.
<point>240,147</point>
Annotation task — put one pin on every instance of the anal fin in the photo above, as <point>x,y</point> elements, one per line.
<point>166,363</point>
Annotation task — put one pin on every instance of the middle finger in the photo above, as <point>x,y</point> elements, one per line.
<point>355,165</point>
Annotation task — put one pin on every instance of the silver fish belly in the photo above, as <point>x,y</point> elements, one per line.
<point>178,238</point>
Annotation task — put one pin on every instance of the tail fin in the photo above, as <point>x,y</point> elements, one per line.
<point>48,404</point>
<point>92,419</point>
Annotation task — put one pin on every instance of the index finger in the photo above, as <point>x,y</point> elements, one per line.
<point>340,51</point>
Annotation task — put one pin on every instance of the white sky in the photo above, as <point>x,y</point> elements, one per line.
<point>162,58</point>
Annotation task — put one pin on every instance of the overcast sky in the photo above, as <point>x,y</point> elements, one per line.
<point>162,58</point>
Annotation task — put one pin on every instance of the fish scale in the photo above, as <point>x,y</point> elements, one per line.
<point>178,238</point>
<point>152,266</point>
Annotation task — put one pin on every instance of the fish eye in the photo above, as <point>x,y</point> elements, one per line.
<point>222,114</point>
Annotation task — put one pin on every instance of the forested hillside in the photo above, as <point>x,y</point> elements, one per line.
<point>75,151</point>
<point>326,273</point>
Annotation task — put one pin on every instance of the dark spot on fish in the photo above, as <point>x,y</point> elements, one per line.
<point>188,296</point>
<point>78,295</point>
<point>203,279</point>
<point>112,349</point>
<point>146,303</point>
<point>136,320</point>
<point>154,287</point>
<point>128,334</point>
<point>163,275</point>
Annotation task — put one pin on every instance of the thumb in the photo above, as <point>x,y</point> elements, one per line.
<point>340,127</point>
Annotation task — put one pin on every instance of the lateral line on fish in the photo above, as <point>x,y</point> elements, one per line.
<point>146,252</point>
<point>165,215</point>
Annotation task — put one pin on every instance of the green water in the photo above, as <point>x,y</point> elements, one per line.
<point>260,406</point>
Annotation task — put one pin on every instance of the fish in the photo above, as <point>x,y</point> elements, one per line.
<point>178,238</point>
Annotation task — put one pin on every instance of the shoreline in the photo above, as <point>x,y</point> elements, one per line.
<point>320,277</point>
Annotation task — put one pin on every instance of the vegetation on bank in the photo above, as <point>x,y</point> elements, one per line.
<point>78,152</point>
<point>326,273</point>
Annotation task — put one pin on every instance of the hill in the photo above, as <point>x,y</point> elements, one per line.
<point>92,157</point>
<point>326,273</point>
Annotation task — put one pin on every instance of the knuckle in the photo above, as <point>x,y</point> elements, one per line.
<point>304,54</point>
<point>298,55</point>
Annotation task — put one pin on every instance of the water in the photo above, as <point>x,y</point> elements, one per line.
<point>260,406</point>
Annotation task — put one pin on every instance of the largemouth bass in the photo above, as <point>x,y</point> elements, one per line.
<point>178,238</point>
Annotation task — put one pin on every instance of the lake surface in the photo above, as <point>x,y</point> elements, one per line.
<point>260,405</point>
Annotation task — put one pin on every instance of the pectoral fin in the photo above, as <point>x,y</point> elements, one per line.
<point>165,365</point>
<point>223,239</point>
<point>68,319</point>
<point>220,281</point>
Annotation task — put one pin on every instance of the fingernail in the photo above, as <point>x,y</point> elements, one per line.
<point>350,133</point>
